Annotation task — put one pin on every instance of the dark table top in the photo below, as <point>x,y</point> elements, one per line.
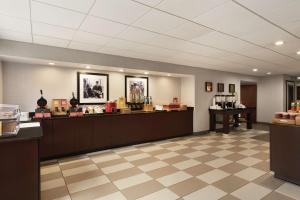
<point>232,110</point>
<point>24,134</point>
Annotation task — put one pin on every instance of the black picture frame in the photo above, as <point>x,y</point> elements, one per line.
<point>220,87</point>
<point>208,86</point>
<point>92,101</point>
<point>127,77</point>
<point>231,88</point>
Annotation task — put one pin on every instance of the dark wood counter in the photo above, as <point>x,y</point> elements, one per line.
<point>67,135</point>
<point>285,152</point>
<point>20,166</point>
<point>226,113</point>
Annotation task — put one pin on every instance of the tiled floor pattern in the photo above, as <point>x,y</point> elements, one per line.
<point>208,167</point>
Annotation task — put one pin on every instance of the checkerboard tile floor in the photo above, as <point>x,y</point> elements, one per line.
<point>209,167</point>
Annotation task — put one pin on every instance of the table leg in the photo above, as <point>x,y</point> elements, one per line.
<point>212,122</point>
<point>236,120</point>
<point>225,123</point>
<point>249,120</point>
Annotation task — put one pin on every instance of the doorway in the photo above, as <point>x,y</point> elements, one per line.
<point>249,96</point>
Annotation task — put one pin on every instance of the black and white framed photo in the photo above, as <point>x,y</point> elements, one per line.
<point>220,87</point>
<point>92,88</point>
<point>136,88</point>
<point>232,88</point>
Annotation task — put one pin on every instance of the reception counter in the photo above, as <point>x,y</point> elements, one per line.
<point>73,135</point>
<point>285,152</point>
<point>20,166</point>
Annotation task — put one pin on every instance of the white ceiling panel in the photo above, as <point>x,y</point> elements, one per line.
<point>188,31</point>
<point>102,27</point>
<point>124,11</point>
<point>189,9</point>
<point>166,42</point>
<point>55,16</point>
<point>84,47</point>
<point>15,8</point>
<point>50,41</point>
<point>151,3</point>
<point>159,22</point>
<point>77,5</point>
<point>136,34</point>
<point>232,19</point>
<point>14,24</point>
<point>17,36</point>
<point>52,31</point>
<point>90,38</point>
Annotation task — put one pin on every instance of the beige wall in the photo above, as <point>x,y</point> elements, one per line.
<point>1,83</point>
<point>23,82</point>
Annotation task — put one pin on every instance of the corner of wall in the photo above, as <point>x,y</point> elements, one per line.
<point>1,82</point>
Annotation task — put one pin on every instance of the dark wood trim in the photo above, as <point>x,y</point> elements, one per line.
<point>78,87</point>
<point>129,76</point>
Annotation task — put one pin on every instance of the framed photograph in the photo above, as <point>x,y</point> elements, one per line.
<point>208,86</point>
<point>231,88</point>
<point>136,88</point>
<point>220,87</point>
<point>92,88</point>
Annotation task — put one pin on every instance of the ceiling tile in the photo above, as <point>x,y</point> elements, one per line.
<point>158,21</point>
<point>85,37</point>
<point>77,5</point>
<point>101,26</point>
<point>166,42</point>
<point>124,11</point>
<point>84,47</point>
<point>151,3</point>
<point>52,31</point>
<point>15,24</point>
<point>136,34</point>
<point>188,31</point>
<point>232,19</point>
<point>55,16</point>
<point>50,41</point>
<point>17,36</point>
<point>15,8</point>
<point>189,9</point>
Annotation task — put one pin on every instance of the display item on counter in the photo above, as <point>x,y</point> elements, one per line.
<point>42,111</point>
<point>110,107</point>
<point>59,107</point>
<point>121,102</point>
<point>291,118</point>
<point>9,119</point>
<point>73,101</point>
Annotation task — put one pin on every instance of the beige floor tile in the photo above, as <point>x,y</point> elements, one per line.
<point>48,177</point>
<point>141,190</point>
<point>174,178</point>
<point>276,196</point>
<point>167,155</point>
<point>206,158</point>
<point>137,157</point>
<point>209,192</point>
<point>50,169</point>
<point>233,168</point>
<point>211,150</point>
<point>219,162</point>
<point>151,148</point>
<point>230,183</point>
<point>79,170</point>
<point>87,183</point>
<point>111,162</point>
<point>131,153</point>
<point>177,148</point>
<point>185,151</point>
<point>198,170</point>
<point>152,166</point>
<point>161,194</point>
<point>176,159</point>
<point>76,164</point>
<point>250,173</point>
<point>229,197</point>
<point>54,193</point>
<point>186,164</point>
<point>106,157</point>
<point>144,161</point>
<point>83,176</point>
<point>113,196</point>
<point>234,157</point>
<point>222,153</point>
<point>54,183</point>
<point>249,161</point>
<point>158,152</point>
<point>248,152</point>
<point>95,192</point>
<point>251,191</point>
<point>117,168</point>
<point>124,174</point>
<point>265,166</point>
<point>188,186</point>
<point>201,147</point>
<point>131,181</point>
<point>195,154</point>
<point>290,190</point>
<point>269,181</point>
<point>162,172</point>
<point>261,156</point>
<point>213,176</point>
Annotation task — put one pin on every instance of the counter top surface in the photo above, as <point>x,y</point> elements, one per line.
<point>24,134</point>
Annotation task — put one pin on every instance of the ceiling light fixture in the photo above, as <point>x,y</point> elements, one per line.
<point>298,52</point>
<point>269,73</point>
<point>121,70</point>
<point>146,73</point>
<point>168,74</point>
<point>88,67</point>
<point>279,43</point>
<point>255,70</point>
<point>298,77</point>
<point>51,63</point>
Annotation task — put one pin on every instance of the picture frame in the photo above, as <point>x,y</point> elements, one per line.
<point>231,88</point>
<point>92,88</point>
<point>208,86</point>
<point>136,88</point>
<point>220,87</point>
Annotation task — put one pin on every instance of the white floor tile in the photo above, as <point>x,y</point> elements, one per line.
<point>49,170</point>
<point>213,176</point>
<point>79,170</point>
<point>113,196</point>
<point>208,193</point>
<point>251,191</point>
<point>86,184</point>
<point>132,181</point>
<point>165,156</point>
<point>137,157</point>
<point>219,162</point>
<point>151,148</point>
<point>164,194</point>
<point>195,154</point>
<point>47,185</point>
<point>104,158</point>
<point>248,145</point>
<point>186,164</point>
<point>116,168</point>
<point>250,174</point>
<point>176,148</point>
<point>152,166</point>
<point>173,178</point>
<point>201,147</point>
<point>290,190</point>
<point>225,146</point>
<point>249,161</point>
<point>222,153</point>
<point>248,152</point>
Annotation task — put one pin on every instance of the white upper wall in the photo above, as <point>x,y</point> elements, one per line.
<point>23,82</point>
<point>1,83</point>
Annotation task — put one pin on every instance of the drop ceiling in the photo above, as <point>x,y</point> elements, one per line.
<point>227,35</point>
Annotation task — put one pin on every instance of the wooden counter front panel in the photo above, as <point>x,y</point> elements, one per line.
<point>77,135</point>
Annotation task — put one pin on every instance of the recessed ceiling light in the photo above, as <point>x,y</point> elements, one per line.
<point>255,70</point>
<point>168,74</point>
<point>298,52</point>
<point>121,70</point>
<point>88,67</point>
<point>51,63</point>
<point>279,43</point>
<point>269,73</point>
<point>146,73</point>
<point>298,77</point>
